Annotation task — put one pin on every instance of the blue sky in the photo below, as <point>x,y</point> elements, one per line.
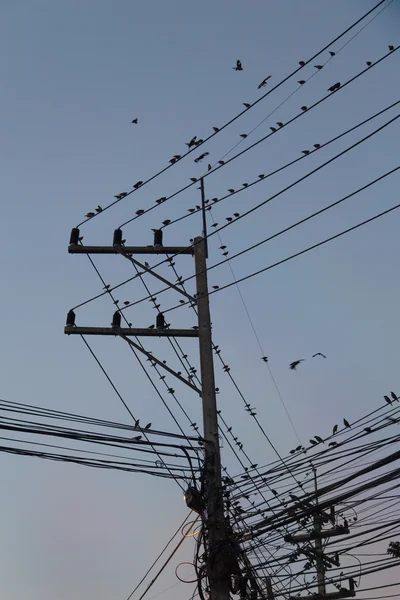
<point>74,75</point>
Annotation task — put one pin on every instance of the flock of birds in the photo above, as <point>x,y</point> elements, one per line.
<point>195,141</point>
<point>293,365</point>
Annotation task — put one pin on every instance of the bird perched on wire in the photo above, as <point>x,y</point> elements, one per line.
<point>192,142</point>
<point>332,53</point>
<point>89,215</point>
<point>301,82</point>
<point>319,354</point>
<point>135,121</point>
<point>319,67</point>
<point>334,87</point>
<point>264,82</point>
<point>137,185</point>
<point>238,66</point>
<point>293,365</point>
<point>391,48</point>
<point>246,104</point>
<point>121,195</point>
<point>148,426</point>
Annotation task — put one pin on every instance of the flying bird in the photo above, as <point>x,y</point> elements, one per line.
<point>138,184</point>
<point>135,121</point>
<point>264,358</point>
<point>319,354</point>
<point>238,66</point>
<point>264,82</point>
<point>346,423</point>
<point>295,364</point>
<point>334,87</point>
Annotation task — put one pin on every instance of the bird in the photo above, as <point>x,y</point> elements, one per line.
<point>238,66</point>
<point>394,396</point>
<point>126,302</point>
<point>317,146</point>
<point>334,87</point>
<point>391,48</point>
<point>89,215</point>
<point>209,167</point>
<point>121,195</point>
<point>301,82</point>
<point>245,185</point>
<point>319,439</point>
<point>368,429</point>
<point>221,162</point>
<point>313,442</point>
<point>137,185</point>
<point>332,53</point>
<point>319,67</point>
<point>231,190</point>
<point>140,212</point>
<point>148,426</point>
<point>346,423</point>
<point>264,82</point>
<point>303,108</point>
<point>193,179</point>
<point>264,358</point>
<point>192,142</point>
<point>302,63</point>
<point>243,135</point>
<point>279,123</point>
<point>295,364</point>
<point>246,104</point>
<point>135,121</point>
<point>305,152</point>
<point>369,63</point>
<point>335,428</point>
<point>273,129</point>
<point>137,438</point>
<point>236,215</point>
<point>215,287</point>
<point>166,222</point>
<point>261,176</point>
<point>319,354</point>
<point>137,423</point>
<point>387,399</point>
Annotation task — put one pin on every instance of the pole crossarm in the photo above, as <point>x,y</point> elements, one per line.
<point>78,249</point>
<point>128,331</point>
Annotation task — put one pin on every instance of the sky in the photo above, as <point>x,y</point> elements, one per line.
<point>74,74</point>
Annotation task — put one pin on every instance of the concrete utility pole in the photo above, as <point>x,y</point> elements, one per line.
<point>319,553</point>
<point>217,572</point>
<point>219,563</point>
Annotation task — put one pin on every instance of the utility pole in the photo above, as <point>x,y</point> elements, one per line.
<point>319,554</point>
<point>219,560</point>
<point>218,575</point>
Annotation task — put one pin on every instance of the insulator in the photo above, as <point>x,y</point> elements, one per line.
<point>117,240</point>
<point>116,320</point>
<point>158,235</point>
<point>74,237</point>
<point>71,318</point>
<point>160,321</point>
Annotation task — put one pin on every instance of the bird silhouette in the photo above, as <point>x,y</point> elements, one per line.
<point>137,423</point>
<point>264,82</point>
<point>135,121</point>
<point>246,104</point>
<point>305,152</point>
<point>394,396</point>
<point>391,48</point>
<point>304,108</point>
<point>301,82</point>
<point>264,358</point>
<point>166,222</point>
<point>137,438</point>
<point>236,215</point>
<point>279,123</point>
<point>368,429</point>
<point>302,63</point>
<point>137,185</point>
<point>238,66</point>
<point>313,442</point>
<point>243,135</point>
<point>293,365</point>
<point>221,162</point>
<point>334,87</point>
<point>319,67</point>
<point>319,439</point>
<point>192,142</point>
<point>317,146</point>
<point>332,53</point>
<point>335,428</point>
<point>89,215</point>
<point>346,423</point>
<point>261,176</point>
<point>387,399</point>
<point>193,179</point>
<point>216,129</point>
<point>209,167</point>
<point>126,302</point>
<point>140,212</point>
<point>369,63</point>
<point>319,354</point>
<point>231,190</point>
<point>148,426</point>
<point>273,129</point>
<point>121,195</point>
